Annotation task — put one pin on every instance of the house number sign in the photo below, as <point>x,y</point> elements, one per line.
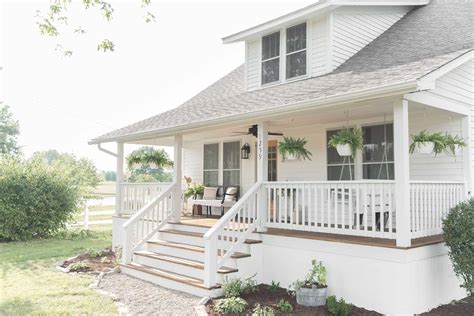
<point>260,147</point>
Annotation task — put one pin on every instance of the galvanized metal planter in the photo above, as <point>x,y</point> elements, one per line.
<point>311,297</point>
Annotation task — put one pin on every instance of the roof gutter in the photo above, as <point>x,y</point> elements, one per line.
<point>350,97</point>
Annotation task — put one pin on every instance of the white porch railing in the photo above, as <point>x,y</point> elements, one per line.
<point>146,222</point>
<point>359,208</point>
<point>232,229</point>
<point>429,203</point>
<point>134,196</point>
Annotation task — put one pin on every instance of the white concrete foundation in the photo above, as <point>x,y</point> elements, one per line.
<point>387,280</point>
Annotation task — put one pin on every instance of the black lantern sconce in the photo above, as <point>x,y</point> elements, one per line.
<point>245,151</point>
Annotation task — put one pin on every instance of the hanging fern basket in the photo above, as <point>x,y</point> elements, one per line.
<point>344,150</point>
<point>425,148</point>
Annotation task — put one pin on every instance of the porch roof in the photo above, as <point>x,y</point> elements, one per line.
<point>424,40</point>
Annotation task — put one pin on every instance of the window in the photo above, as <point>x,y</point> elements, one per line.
<point>271,58</point>
<point>211,165</point>
<point>296,51</point>
<point>231,163</point>
<point>377,154</point>
<point>272,160</point>
<point>337,169</point>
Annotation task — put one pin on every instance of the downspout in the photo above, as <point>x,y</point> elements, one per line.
<point>99,145</point>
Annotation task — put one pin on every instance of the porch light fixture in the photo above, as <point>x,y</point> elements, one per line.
<point>245,151</point>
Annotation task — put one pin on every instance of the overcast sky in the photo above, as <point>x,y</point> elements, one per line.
<point>62,102</point>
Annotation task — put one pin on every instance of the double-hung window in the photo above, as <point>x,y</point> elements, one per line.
<point>271,58</point>
<point>377,154</point>
<point>296,51</point>
<point>231,163</point>
<point>211,165</point>
<point>338,169</point>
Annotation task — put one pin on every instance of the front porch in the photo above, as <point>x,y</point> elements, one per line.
<point>385,211</point>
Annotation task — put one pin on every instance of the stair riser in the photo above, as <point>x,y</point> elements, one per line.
<point>197,241</point>
<point>170,284</point>
<point>188,228</point>
<point>169,266</point>
<point>186,254</point>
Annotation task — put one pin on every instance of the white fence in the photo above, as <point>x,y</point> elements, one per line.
<point>429,203</point>
<point>134,196</point>
<point>360,208</point>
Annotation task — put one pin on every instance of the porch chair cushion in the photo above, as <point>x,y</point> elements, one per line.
<point>209,193</point>
<point>231,194</point>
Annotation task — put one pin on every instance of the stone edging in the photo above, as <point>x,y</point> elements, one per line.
<point>200,308</point>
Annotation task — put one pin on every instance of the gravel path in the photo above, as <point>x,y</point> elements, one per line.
<point>144,298</point>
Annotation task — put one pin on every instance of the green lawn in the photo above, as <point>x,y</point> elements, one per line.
<point>106,188</point>
<point>30,284</point>
<point>80,218</point>
<point>102,208</point>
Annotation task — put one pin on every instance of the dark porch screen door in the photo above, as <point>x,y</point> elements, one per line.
<point>272,160</point>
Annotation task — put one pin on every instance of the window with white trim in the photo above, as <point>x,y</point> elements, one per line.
<point>296,51</point>
<point>231,163</point>
<point>337,169</point>
<point>377,154</point>
<point>271,58</point>
<point>211,165</point>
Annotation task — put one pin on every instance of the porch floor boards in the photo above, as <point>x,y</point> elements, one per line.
<point>357,240</point>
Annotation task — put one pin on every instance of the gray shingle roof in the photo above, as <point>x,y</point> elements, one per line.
<point>422,41</point>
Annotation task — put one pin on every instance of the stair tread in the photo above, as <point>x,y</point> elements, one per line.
<point>183,261</point>
<point>170,275</point>
<point>235,255</point>
<point>195,234</point>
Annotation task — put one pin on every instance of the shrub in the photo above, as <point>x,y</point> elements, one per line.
<point>230,305</point>
<point>35,201</point>
<point>237,287</point>
<point>459,236</point>
<point>263,311</point>
<point>338,308</point>
<point>273,288</point>
<point>79,266</point>
<point>284,306</point>
<point>94,253</point>
<point>316,277</point>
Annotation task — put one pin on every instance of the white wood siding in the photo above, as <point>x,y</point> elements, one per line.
<point>353,28</point>
<point>319,54</point>
<point>457,84</point>
<point>252,64</point>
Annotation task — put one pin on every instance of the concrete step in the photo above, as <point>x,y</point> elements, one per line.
<point>171,280</point>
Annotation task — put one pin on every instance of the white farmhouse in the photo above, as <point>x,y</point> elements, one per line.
<point>390,68</point>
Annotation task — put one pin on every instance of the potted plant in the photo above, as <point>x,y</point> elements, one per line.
<point>313,290</point>
<point>294,149</point>
<point>427,143</point>
<point>347,141</point>
<point>454,144</point>
<point>194,190</point>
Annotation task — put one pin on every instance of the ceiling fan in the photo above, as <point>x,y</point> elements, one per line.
<point>253,130</point>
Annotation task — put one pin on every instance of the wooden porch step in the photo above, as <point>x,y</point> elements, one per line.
<point>200,235</point>
<point>182,261</point>
<point>170,276</point>
<point>235,255</point>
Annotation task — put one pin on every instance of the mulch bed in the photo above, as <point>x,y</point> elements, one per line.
<point>266,298</point>
<point>93,261</point>
<point>461,307</point>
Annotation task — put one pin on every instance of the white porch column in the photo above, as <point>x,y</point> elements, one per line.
<point>262,173</point>
<point>119,179</point>
<point>177,177</point>
<point>402,172</point>
<point>467,153</point>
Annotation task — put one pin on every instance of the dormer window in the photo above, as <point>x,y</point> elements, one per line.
<point>296,51</point>
<point>271,58</point>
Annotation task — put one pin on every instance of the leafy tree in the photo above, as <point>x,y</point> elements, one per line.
<point>56,20</point>
<point>458,229</point>
<point>147,164</point>
<point>79,172</point>
<point>9,131</point>
<point>109,175</point>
